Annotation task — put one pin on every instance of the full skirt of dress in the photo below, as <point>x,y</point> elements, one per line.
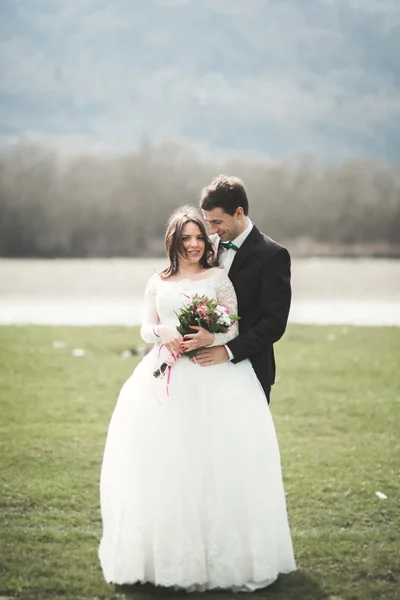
<point>191,488</point>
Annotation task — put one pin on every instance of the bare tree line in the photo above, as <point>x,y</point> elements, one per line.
<point>92,205</point>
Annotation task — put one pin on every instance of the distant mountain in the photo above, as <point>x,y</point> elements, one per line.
<point>274,77</point>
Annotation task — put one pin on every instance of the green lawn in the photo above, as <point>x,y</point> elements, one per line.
<point>336,410</point>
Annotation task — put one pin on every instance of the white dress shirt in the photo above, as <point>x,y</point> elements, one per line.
<point>226,256</point>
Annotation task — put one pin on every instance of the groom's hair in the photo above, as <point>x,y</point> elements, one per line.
<point>226,192</point>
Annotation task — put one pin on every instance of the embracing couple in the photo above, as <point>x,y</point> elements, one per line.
<point>191,487</point>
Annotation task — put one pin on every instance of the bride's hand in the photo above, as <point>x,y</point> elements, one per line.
<point>193,341</point>
<point>171,338</point>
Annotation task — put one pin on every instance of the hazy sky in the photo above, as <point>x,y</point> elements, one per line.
<point>277,77</point>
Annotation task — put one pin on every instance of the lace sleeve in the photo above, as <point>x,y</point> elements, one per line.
<point>150,316</point>
<point>226,295</point>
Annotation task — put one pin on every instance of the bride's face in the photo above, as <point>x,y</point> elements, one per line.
<point>193,243</point>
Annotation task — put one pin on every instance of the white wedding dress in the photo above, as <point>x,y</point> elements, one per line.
<point>191,487</point>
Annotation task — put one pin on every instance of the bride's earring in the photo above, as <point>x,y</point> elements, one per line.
<point>174,263</point>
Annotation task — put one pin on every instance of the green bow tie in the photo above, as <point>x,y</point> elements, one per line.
<point>228,245</point>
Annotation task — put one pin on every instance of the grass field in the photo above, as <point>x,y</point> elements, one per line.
<point>336,410</point>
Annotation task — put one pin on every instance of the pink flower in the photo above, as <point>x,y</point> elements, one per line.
<point>202,311</point>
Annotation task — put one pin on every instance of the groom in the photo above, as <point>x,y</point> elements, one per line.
<point>259,269</point>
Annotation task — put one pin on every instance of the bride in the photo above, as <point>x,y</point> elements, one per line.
<point>191,488</point>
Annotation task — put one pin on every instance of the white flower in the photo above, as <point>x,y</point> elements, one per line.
<point>224,320</point>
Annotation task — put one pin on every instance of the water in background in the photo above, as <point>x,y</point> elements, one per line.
<point>110,291</point>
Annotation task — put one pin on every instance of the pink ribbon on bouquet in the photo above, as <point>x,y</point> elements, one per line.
<point>170,360</point>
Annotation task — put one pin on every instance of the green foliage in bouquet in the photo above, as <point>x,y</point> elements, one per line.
<point>201,312</point>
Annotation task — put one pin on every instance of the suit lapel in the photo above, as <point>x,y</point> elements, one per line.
<point>246,250</point>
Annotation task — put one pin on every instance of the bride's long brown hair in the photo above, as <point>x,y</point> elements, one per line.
<point>174,243</point>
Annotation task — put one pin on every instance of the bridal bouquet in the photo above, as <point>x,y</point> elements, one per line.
<point>203,312</point>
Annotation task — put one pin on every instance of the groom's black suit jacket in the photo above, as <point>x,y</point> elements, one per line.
<point>260,274</point>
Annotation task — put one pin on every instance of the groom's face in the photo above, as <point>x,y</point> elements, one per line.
<point>228,227</point>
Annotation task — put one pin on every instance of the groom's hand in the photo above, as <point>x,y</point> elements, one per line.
<point>209,357</point>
